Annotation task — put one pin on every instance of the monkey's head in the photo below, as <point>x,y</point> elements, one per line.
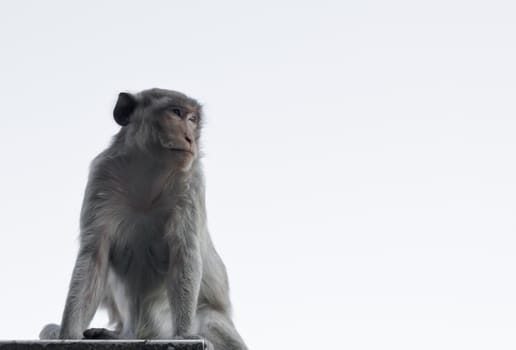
<point>165,124</point>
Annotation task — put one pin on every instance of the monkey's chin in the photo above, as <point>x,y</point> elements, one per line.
<point>187,165</point>
<point>180,159</point>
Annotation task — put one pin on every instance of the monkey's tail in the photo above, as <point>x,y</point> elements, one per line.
<point>50,331</point>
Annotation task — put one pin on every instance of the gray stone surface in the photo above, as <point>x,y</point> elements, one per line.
<point>102,345</point>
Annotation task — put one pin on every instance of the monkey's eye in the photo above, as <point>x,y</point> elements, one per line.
<point>193,118</point>
<point>177,111</point>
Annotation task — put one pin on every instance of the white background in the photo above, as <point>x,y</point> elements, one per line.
<point>360,159</point>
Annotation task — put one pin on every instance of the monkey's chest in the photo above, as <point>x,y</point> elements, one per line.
<point>140,254</point>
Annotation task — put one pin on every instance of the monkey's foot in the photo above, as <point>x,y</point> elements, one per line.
<point>100,333</point>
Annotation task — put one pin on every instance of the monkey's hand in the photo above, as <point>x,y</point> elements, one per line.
<point>100,333</point>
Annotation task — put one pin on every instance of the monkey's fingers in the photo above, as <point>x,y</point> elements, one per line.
<point>99,333</point>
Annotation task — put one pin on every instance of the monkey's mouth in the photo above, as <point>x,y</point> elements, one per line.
<point>179,150</point>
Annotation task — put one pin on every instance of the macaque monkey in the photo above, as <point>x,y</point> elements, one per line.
<point>145,251</point>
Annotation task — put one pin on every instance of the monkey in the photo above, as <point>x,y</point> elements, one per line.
<point>145,252</point>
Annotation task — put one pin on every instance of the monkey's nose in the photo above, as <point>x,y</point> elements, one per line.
<point>188,139</point>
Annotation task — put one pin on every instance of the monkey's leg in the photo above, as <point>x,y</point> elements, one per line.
<point>86,287</point>
<point>112,309</point>
<point>218,329</point>
<point>50,331</point>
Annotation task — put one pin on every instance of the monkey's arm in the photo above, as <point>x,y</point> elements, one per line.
<point>86,287</point>
<point>184,276</point>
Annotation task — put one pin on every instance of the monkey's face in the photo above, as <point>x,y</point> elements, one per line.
<point>177,133</point>
<point>164,123</point>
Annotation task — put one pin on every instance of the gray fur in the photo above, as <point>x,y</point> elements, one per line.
<point>145,251</point>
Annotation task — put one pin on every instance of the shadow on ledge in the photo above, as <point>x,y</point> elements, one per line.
<point>102,345</point>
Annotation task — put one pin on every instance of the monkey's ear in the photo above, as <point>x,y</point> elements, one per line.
<point>125,106</point>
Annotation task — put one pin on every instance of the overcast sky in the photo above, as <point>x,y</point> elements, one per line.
<point>359,156</point>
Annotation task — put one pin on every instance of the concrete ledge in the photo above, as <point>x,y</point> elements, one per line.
<point>102,345</point>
